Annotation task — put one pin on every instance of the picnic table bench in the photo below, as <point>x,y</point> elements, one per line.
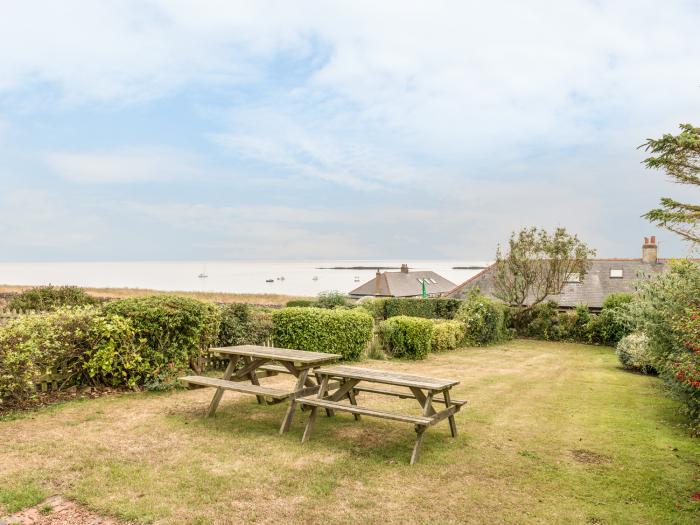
<point>351,382</point>
<point>249,363</point>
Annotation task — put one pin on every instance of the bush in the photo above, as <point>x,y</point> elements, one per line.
<point>331,299</point>
<point>260,327</point>
<point>345,332</point>
<point>176,330</point>
<point>301,302</point>
<point>612,326</point>
<point>375,306</point>
<point>447,335</point>
<point>234,327</point>
<point>484,320</point>
<point>85,345</point>
<point>429,308</point>
<point>408,337</point>
<point>634,353</point>
<point>48,297</point>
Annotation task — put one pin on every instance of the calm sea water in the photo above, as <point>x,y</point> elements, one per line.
<point>223,276</point>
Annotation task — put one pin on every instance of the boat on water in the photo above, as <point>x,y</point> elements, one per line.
<point>314,278</point>
<point>357,279</point>
<point>202,275</point>
<point>269,280</point>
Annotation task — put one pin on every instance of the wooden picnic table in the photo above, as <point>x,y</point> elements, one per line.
<point>352,381</point>
<point>249,363</point>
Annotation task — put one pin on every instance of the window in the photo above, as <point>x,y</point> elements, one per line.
<point>616,273</point>
<point>433,281</point>
<point>573,278</point>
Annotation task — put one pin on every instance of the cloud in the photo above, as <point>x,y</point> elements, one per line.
<point>128,166</point>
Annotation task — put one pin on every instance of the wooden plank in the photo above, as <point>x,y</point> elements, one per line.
<point>224,384</point>
<point>427,408</point>
<point>453,423</point>
<point>448,412</point>
<point>354,409</point>
<point>277,354</point>
<point>323,388</point>
<point>391,378</point>
<point>401,395</point>
<point>275,368</point>
<point>287,421</point>
<point>232,363</point>
<point>422,398</point>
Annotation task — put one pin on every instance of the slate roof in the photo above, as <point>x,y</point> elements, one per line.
<point>596,285</point>
<point>403,284</point>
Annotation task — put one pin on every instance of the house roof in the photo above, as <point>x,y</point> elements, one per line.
<point>592,291</point>
<point>404,284</point>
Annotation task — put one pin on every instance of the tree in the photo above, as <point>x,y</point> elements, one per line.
<point>679,156</point>
<point>538,264</point>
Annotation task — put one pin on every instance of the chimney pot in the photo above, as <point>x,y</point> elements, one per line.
<point>404,268</point>
<point>649,250</point>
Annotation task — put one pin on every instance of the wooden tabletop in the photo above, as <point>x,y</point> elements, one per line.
<point>277,354</point>
<point>390,378</point>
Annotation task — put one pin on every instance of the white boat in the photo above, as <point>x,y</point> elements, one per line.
<point>314,278</point>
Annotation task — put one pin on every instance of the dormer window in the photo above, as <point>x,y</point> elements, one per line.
<point>573,278</point>
<point>616,273</point>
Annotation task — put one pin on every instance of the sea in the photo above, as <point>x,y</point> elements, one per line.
<point>307,278</point>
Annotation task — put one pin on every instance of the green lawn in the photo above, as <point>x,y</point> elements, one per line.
<point>553,433</point>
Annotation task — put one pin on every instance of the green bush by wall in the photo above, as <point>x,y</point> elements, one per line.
<point>407,337</point>
<point>429,308</point>
<point>345,332</point>
<point>176,330</point>
<point>634,353</point>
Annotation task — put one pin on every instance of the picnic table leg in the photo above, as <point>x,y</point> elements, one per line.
<point>428,410</point>
<point>301,381</point>
<point>329,412</point>
<point>353,401</point>
<point>232,362</point>
<point>254,380</point>
<point>448,403</point>
<point>314,410</point>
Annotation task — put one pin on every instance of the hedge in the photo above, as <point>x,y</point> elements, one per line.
<point>176,330</point>
<point>88,346</point>
<point>45,298</point>
<point>447,335</point>
<point>484,320</point>
<point>345,332</point>
<point>429,308</point>
<point>408,337</point>
<point>242,324</point>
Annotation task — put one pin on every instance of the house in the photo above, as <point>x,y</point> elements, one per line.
<point>404,283</point>
<point>605,276</point>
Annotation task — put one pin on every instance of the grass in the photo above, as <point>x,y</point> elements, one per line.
<point>553,433</point>
<point>219,297</point>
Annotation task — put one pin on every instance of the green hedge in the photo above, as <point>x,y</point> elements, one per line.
<point>407,337</point>
<point>301,302</point>
<point>429,308</point>
<point>176,330</point>
<point>45,298</point>
<point>345,332</point>
<point>484,320</point>
<point>447,335</point>
<point>86,345</point>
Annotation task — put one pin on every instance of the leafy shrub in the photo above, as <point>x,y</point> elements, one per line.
<point>45,298</point>
<point>408,337</point>
<point>345,332</point>
<point>301,302</point>
<point>86,345</point>
<point>484,320</point>
<point>234,327</point>
<point>447,335</point>
<point>537,322</point>
<point>634,353</point>
<point>176,330</point>
<point>429,308</point>
<point>260,327</point>
<point>331,299</point>
<point>375,306</point>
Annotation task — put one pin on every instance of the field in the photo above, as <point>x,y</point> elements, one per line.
<point>553,433</point>
<point>219,297</point>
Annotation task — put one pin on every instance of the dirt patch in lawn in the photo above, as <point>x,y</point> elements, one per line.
<point>588,456</point>
<point>57,510</point>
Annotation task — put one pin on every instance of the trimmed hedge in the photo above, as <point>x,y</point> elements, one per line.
<point>484,320</point>
<point>45,298</point>
<point>447,335</point>
<point>634,353</point>
<point>345,332</point>
<point>301,302</point>
<point>242,324</point>
<point>429,308</point>
<point>89,347</point>
<point>408,337</point>
<point>176,330</point>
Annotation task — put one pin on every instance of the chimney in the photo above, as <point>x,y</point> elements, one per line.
<point>404,268</point>
<point>378,283</point>
<point>649,250</point>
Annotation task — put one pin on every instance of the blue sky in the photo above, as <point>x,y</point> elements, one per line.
<point>224,130</point>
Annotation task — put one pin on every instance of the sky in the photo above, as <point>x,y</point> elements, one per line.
<point>215,130</point>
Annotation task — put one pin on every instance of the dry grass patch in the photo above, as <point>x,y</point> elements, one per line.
<point>553,433</point>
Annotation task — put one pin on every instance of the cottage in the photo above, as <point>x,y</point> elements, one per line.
<point>404,283</point>
<point>605,276</point>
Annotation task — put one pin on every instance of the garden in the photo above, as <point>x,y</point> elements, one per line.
<point>559,427</point>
